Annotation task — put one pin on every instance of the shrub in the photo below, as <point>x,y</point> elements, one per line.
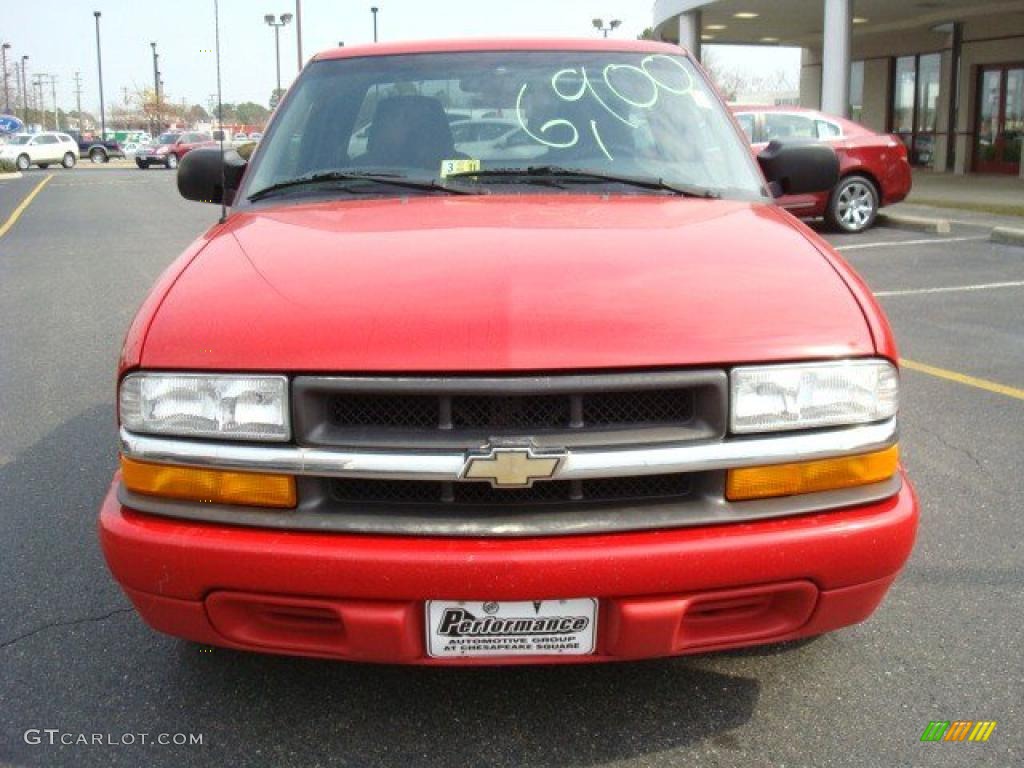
<point>7,166</point>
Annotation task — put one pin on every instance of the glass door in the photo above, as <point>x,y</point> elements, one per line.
<point>1000,127</point>
<point>915,97</point>
<point>903,96</point>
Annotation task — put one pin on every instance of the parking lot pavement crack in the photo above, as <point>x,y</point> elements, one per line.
<point>966,452</point>
<point>69,623</point>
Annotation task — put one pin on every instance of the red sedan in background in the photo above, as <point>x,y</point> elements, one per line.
<point>873,167</point>
<point>171,147</point>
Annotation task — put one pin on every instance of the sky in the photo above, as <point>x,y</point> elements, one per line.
<point>184,33</point>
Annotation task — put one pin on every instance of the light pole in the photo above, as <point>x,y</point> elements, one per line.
<point>78,99</point>
<point>7,93</point>
<point>298,31</point>
<point>612,25</point>
<point>53,92</point>
<point>37,97</point>
<point>374,10</point>
<point>156,86</point>
<point>99,67</point>
<point>24,88</point>
<point>273,22</point>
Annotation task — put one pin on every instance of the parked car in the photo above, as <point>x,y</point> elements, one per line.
<point>255,136</point>
<point>96,149</point>
<point>873,167</point>
<point>171,147</point>
<point>240,136</point>
<point>493,138</point>
<point>608,403</point>
<point>42,149</point>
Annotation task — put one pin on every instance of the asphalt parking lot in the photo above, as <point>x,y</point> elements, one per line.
<point>945,645</point>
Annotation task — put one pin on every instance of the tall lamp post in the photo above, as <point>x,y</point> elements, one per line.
<point>56,112</point>
<point>99,67</point>
<point>374,10</point>
<point>37,97</point>
<point>7,92</point>
<point>273,22</point>
<point>156,86</point>
<point>612,25</point>
<point>24,88</point>
<point>298,31</point>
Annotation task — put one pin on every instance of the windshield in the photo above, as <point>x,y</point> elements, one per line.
<point>441,115</point>
<point>168,138</point>
<point>20,139</point>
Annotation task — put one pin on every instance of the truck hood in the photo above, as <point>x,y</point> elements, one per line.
<point>502,283</point>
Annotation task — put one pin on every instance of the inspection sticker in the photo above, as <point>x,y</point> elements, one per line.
<point>529,628</point>
<point>448,167</point>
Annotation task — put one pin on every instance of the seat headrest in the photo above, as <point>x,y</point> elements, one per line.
<point>424,137</point>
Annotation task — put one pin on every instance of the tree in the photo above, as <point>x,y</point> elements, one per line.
<point>728,82</point>
<point>228,115</point>
<point>251,113</point>
<point>196,114</point>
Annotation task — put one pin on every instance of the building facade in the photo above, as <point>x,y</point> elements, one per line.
<point>946,76</point>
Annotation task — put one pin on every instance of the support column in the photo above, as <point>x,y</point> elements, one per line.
<point>689,32</point>
<point>953,116</point>
<point>835,59</point>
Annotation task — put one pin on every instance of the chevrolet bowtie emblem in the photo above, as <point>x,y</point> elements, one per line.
<point>511,467</point>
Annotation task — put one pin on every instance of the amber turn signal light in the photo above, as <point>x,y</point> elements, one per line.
<point>208,486</point>
<point>811,476</point>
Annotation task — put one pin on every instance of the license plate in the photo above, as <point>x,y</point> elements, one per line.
<point>528,628</point>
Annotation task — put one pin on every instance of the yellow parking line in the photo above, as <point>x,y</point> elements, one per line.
<point>24,204</point>
<point>961,378</point>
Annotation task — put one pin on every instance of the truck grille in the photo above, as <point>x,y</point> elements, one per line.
<point>494,412</point>
<point>468,413</point>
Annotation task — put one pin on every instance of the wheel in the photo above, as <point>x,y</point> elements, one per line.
<point>23,162</point>
<point>142,165</point>
<point>44,166</point>
<point>98,156</point>
<point>171,162</point>
<point>853,204</point>
<point>69,160</point>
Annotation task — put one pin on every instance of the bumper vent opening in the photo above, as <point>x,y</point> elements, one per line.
<point>474,494</point>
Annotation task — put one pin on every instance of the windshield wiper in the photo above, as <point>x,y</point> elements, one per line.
<point>393,179</point>
<point>584,175</point>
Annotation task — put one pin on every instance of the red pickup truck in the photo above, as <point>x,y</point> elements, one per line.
<point>408,405</point>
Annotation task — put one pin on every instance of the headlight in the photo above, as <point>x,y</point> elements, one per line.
<point>202,405</point>
<point>773,398</point>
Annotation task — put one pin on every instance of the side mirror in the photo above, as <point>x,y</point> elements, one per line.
<point>799,167</point>
<point>207,176</point>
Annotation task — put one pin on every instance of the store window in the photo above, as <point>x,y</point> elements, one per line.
<point>856,91</point>
<point>915,100</point>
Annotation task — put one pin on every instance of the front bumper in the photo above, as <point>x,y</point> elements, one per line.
<point>361,597</point>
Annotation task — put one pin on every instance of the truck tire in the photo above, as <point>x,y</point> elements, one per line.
<point>97,155</point>
<point>69,160</point>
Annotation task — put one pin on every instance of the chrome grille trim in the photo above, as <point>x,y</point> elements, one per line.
<point>689,457</point>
